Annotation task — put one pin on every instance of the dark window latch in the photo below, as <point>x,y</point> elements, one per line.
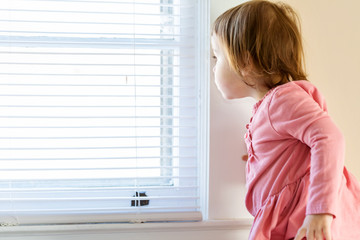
<point>136,203</point>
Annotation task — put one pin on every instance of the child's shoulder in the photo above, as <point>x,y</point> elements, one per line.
<point>295,86</point>
<point>295,89</point>
<point>295,92</point>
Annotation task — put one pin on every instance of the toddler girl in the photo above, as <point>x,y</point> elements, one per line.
<point>297,184</point>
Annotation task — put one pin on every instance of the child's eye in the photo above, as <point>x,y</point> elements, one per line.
<point>214,57</point>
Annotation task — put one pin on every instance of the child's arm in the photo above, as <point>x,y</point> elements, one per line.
<point>317,226</point>
<point>300,113</point>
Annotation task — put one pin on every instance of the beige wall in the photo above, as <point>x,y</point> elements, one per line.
<point>331,34</point>
<point>332,44</point>
<point>227,128</point>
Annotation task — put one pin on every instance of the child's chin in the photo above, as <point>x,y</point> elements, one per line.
<point>227,98</point>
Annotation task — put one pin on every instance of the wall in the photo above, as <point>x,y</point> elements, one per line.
<point>227,128</point>
<point>332,35</point>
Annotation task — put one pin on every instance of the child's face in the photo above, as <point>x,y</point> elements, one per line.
<point>229,83</point>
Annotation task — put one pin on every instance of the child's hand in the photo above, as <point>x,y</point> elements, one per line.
<point>316,226</point>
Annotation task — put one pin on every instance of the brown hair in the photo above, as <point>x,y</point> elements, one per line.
<point>267,33</point>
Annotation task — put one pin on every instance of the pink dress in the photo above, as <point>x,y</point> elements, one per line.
<point>296,166</point>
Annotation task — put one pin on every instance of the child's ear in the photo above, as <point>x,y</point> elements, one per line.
<point>247,59</point>
<point>248,68</point>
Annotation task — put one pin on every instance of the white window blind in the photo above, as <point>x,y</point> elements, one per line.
<point>99,111</point>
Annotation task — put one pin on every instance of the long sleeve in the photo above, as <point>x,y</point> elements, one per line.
<point>302,115</point>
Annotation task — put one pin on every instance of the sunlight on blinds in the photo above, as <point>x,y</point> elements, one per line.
<point>98,103</point>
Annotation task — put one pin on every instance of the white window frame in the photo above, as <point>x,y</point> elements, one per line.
<point>203,76</point>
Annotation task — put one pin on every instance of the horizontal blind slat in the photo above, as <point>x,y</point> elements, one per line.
<point>112,44</point>
<point>102,126</point>
<point>46,178</point>
<point>98,169</point>
<point>101,158</point>
<point>22,199</point>
<point>67,106</point>
<point>188,55</point>
<point>187,4</point>
<point>95,64</point>
<point>88,12</point>
<point>90,23</point>
<point>109,216</point>
<point>97,75</point>
<point>115,147</point>
<point>96,137</point>
<point>124,35</point>
<point>91,189</point>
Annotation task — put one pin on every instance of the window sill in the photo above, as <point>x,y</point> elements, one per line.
<point>212,225</point>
